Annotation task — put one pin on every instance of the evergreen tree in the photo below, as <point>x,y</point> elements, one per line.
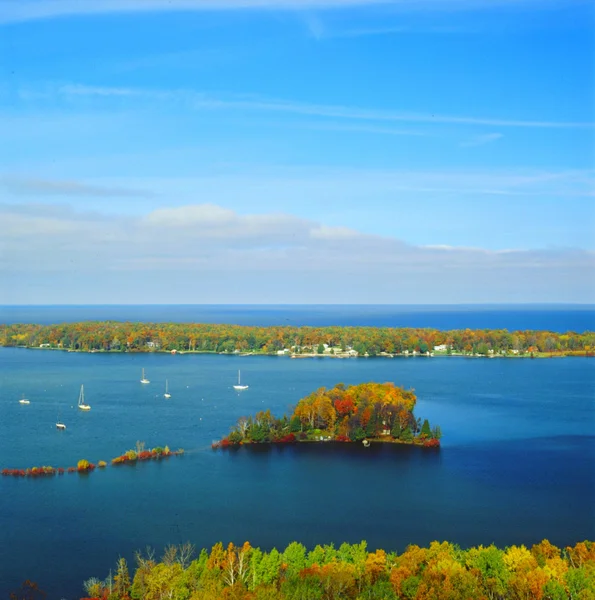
<point>425,429</point>
<point>407,434</point>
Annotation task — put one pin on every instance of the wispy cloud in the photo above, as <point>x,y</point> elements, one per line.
<point>203,100</point>
<point>31,186</point>
<point>24,10</point>
<point>321,31</point>
<point>481,140</point>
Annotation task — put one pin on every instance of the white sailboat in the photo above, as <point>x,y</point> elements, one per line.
<point>144,379</point>
<point>167,394</point>
<point>24,400</point>
<point>81,403</point>
<point>59,424</point>
<point>240,386</point>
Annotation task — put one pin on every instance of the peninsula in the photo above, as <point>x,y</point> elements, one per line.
<point>297,342</point>
<point>368,412</point>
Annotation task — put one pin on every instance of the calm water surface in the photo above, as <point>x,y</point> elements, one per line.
<point>517,463</point>
<point>550,317</point>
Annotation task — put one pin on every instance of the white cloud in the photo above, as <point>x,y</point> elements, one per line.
<point>271,257</point>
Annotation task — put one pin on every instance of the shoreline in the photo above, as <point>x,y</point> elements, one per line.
<point>326,442</point>
<point>578,354</point>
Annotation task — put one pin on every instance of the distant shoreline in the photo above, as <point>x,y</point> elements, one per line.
<point>296,342</point>
<point>319,356</point>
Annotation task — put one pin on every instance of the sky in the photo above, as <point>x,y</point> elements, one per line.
<point>275,151</point>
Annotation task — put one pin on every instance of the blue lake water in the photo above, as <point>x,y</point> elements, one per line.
<point>548,317</point>
<point>517,462</point>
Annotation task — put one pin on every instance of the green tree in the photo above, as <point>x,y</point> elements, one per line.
<point>294,556</point>
<point>425,429</point>
<point>407,434</point>
<point>268,569</point>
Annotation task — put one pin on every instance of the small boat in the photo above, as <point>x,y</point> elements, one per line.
<point>81,403</point>
<point>24,400</point>
<point>144,379</point>
<point>167,394</point>
<point>59,424</point>
<point>240,386</point>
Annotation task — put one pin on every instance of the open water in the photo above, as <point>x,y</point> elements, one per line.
<point>517,462</point>
<point>514,317</point>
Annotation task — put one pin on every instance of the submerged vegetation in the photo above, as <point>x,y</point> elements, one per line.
<point>112,336</point>
<point>368,411</point>
<point>84,466</point>
<point>139,453</point>
<point>443,571</point>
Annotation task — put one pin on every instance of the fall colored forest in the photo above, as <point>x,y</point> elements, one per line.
<point>377,411</point>
<point>115,336</point>
<point>442,571</point>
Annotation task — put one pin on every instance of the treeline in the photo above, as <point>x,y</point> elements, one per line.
<point>377,411</point>
<point>146,337</point>
<point>443,571</point>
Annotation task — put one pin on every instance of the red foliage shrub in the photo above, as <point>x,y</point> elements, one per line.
<point>432,443</point>
<point>342,438</point>
<point>287,439</point>
<point>145,455</point>
<point>71,469</point>
<point>60,471</point>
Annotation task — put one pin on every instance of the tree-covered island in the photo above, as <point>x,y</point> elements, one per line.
<point>377,412</point>
<point>339,342</point>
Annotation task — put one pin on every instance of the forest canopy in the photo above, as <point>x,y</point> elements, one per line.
<point>442,571</point>
<point>115,336</point>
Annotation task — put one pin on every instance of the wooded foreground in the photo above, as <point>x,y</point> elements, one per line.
<point>443,571</point>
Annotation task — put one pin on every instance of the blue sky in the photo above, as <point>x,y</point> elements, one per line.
<point>258,150</point>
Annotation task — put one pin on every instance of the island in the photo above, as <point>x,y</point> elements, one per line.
<point>367,413</point>
<point>295,342</point>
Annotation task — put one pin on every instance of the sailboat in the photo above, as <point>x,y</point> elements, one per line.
<point>82,404</point>
<point>167,394</point>
<point>240,386</point>
<point>24,400</point>
<point>144,379</point>
<point>59,424</point>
